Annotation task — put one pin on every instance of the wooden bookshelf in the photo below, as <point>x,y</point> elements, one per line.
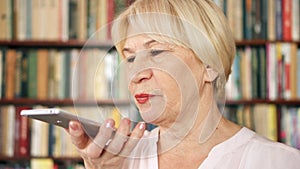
<point>104,45</point>
<point>260,42</point>
<point>4,158</point>
<point>263,101</point>
<point>56,44</point>
<point>110,102</point>
<point>64,102</point>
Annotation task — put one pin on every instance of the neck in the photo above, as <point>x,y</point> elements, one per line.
<point>191,149</point>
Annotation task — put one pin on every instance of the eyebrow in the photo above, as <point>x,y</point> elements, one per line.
<point>146,44</point>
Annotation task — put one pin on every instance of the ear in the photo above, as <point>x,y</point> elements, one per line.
<point>211,74</point>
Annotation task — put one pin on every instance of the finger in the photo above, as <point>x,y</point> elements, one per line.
<point>119,139</point>
<point>133,140</point>
<point>78,136</point>
<point>95,148</point>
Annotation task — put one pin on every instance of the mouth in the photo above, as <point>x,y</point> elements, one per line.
<point>143,98</point>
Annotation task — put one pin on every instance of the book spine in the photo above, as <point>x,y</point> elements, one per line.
<point>298,73</point>
<point>247,19</point>
<point>293,71</point>
<point>262,90</point>
<point>22,133</point>
<point>110,16</point>
<point>24,74</point>
<point>278,19</point>
<point>287,19</point>
<point>1,72</point>
<point>254,72</point>
<point>286,52</point>
<point>32,74</point>
<point>11,57</point>
<point>280,70</point>
<point>18,81</point>
<point>42,74</point>
<point>271,20</point>
<point>295,20</point>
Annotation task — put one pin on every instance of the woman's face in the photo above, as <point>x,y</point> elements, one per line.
<point>158,78</point>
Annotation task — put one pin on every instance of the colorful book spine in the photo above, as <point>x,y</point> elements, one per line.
<point>287,20</point>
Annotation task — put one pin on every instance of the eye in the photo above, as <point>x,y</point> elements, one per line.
<point>130,59</point>
<point>156,52</point>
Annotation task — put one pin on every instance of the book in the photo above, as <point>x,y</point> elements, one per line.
<point>254,73</point>
<point>102,16</point>
<point>287,20</point>
<point>38,163</point>
<point>262,73</point>
<point>271,20</point>
<point>280,71</point>
<point>6,19</point>
<point>24,74</point>
<point>22,142</point>
<point>10,63</point>
<point>293,71</point>
<point>110,17</point>
<point>271,62</point>
<point>295,20</point>
<point>257,19</point>
<point>64,20</point>
<point>92,17</point>
<point>7,130</point>
<point>286,83</point>
<point>82,20</point>
<point>73,19</point>
<point>298,73</point>
<point>39,142</point>
<point>18,75</point>
<point>21,18</point>
<point>3,53</point>
<point>73,78</point>
<point>278,19</point>
<point>42,74</point>
<point>271,122</point>
<point>1,71</point>
<point>32,74</point>
<point>247,19</point>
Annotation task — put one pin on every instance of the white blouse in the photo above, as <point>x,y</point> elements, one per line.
<point>244,150</point>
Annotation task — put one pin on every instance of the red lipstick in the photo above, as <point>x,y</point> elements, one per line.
<point>142,98</point>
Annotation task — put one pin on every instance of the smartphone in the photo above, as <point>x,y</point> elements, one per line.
<point>62,118</point>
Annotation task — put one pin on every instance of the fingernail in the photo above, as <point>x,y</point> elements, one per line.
<point>73,126</point>
<point>142,126</point>
<point>108,125</point>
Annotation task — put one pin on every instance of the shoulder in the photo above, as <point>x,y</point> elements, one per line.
<point>264,153</point>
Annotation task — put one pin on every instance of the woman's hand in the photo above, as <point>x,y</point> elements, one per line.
<point>107,150</point>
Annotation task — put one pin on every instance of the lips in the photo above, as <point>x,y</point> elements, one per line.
<point>142,98</point>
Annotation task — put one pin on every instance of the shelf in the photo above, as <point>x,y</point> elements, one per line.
<point>259,42</point>
<point>264,101</point>
<point>3,158</point>
<point>65,102</point>
<point>56,44</point>
<point>111,102</point>
<point>102,44</point>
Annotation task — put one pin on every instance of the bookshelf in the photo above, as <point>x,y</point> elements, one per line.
<point>55,44</point>
<point>55,28</point>
<point>240,109</point>
<point>269,28</point>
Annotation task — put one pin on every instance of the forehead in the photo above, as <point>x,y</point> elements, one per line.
<point>139,42</point>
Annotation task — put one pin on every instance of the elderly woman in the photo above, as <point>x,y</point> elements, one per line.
<point>178,55</point>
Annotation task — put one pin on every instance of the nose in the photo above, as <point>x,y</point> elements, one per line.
<point>142,76</point>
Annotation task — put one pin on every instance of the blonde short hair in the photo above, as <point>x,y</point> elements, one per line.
<point>200,26</point>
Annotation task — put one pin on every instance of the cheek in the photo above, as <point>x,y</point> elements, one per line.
<point>172,93</point>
